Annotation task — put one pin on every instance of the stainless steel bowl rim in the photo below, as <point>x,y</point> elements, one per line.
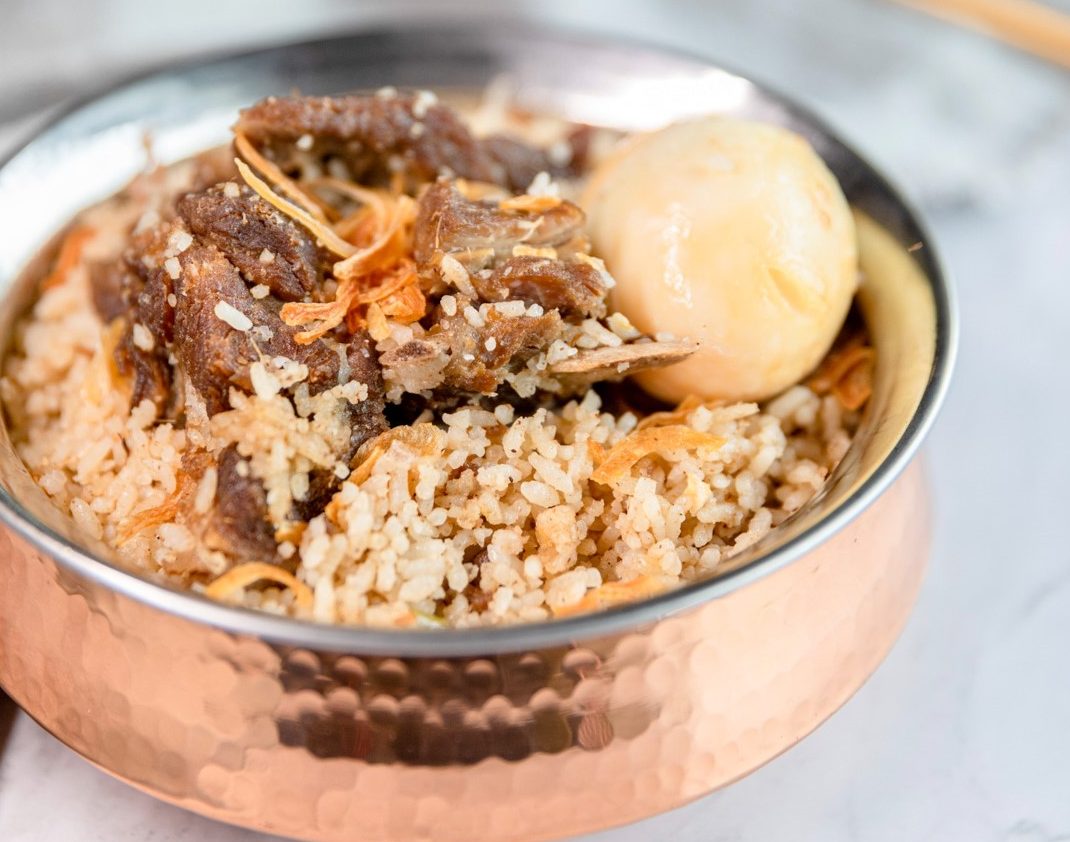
<point>510,638</point>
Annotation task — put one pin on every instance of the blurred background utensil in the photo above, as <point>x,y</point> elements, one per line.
<point>1029,25</point>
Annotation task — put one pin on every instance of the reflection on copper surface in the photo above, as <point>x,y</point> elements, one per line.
<point>535,745</point>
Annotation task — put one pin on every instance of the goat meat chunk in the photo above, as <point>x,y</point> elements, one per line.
<point>575,289</point>
<point>240,525</point>
<point>379,136</point>
<point>477,232</point>
<point>268,247</point>
<point>215,353</point>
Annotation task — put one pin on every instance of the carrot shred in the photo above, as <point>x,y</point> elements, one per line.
<point>237,579</point>
<point>70,254</point>
<point>613,593</point>
<point>151,518</point>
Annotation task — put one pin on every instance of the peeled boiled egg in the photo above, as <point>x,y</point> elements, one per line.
<point>736,235</point>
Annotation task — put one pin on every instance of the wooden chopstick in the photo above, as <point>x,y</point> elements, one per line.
<point>1027,24</point>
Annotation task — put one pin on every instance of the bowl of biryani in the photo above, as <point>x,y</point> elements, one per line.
<point>506,435</point>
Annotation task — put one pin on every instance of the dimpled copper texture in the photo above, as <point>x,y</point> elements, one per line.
<point>529,745</point>
<point>522,733</point>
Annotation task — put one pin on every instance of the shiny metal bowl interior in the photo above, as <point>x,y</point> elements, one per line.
<point>97,146</point>
<point>517,733</point>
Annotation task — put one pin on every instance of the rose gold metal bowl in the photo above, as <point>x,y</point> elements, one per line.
<point>526,732</point>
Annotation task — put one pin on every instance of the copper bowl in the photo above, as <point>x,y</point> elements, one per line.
<point>524,732</point>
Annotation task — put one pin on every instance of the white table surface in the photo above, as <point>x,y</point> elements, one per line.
<point>964,732</point>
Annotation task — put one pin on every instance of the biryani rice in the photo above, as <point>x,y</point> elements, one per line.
<point>503,501</point>
<point>483,517</point>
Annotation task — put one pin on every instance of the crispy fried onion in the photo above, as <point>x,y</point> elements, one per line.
<point>597,452</point>
<point>230,585</point>
<point>847,373</point>
<point>527,203</point>
<point>378,272</point>
<point>323,232</point>
<point>395,290</point>
<point>623,456</point>
<point>70,255</point>
<point>374,265</point>
<point>677,415</point>
<point>405,305</point>
<point>613,593</point>
<point>282,182</point>
<point>422,439</point>
<point>291,531</point>
<point>390,232</point>
<point>356,227</point>
<point>373,202</point>
<point>380,228</point>
<point>106,375</point>
<point>478,191</point>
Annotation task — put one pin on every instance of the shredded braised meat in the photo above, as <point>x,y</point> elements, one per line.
<point>286,282</point>
<point>379,136</point>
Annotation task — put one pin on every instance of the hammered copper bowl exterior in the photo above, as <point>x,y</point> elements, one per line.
<point>527,745</point>
<point>529,733</point>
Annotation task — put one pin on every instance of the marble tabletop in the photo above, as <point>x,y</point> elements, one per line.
<point>964,732</point>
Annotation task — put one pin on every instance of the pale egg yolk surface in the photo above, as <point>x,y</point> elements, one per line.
<point>734,234</point>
